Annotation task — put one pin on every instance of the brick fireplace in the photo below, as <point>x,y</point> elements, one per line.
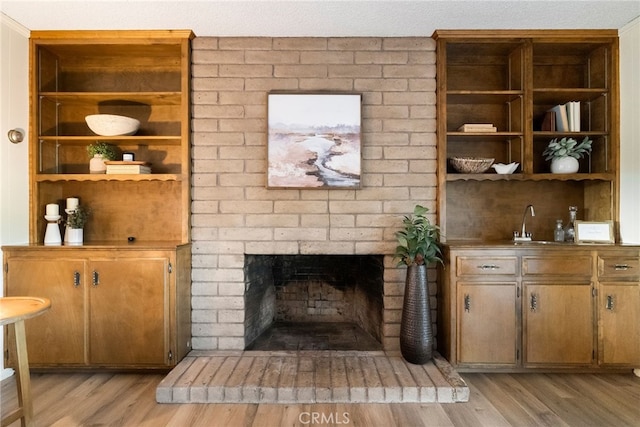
<point>234,214</point>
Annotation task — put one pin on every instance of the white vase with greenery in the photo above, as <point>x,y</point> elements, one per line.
<point>98,153</point>
<point>76,220</point>
<point>564,154</point>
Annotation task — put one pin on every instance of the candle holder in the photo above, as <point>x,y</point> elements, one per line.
<point>52,234</point>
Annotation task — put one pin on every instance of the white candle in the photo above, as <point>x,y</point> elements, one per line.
<point>72,203</point>
<point>53,209</point>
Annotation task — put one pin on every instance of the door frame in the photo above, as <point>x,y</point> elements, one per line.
<point>14,158</point>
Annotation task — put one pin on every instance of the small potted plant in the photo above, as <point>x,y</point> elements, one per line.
<point>98,153</point>
<point>76,220</point>
<point>564,154</point>
<point>417,247</point>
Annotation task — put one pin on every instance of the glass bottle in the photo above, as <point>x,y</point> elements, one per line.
<point>570,231</point>
<point>558,233</point>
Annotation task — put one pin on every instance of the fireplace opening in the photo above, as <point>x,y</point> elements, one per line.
<point>313,302</point>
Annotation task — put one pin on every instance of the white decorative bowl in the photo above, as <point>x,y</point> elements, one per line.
<point>471,164</point>
<point>112,125</point>
<point>503,169</point>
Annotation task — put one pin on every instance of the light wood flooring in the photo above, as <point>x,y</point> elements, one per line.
<point>104,399</point>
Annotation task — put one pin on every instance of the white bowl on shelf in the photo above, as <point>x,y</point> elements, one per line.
<point>505,169</point>
<point>112,125</point>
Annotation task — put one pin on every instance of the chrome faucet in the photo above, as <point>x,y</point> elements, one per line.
<point>524,235</point>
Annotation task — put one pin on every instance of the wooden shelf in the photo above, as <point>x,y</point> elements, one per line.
<point>482,96</point>
<point>574,135</point>
<point>511,79</point>
<point>552,96</point>
<point>530,177</point>
<point>139,74</point>
<point>107,177</point>
<point>479,137</point>
<point>135,139</point>
<point>92,98</point>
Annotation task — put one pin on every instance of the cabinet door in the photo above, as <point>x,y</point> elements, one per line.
<point>619,311</point>
<point>128,308</point>
<point>57,336</point>
<point>487,323</point>
<point>558,323</point>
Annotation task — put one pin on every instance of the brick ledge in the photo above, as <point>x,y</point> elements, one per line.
<point>227,376</point>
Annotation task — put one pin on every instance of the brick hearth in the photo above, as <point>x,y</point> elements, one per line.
<point>309,377</point>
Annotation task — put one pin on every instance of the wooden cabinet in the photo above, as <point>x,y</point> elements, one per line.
<point>618,308</point>
<point>137,286</point>
<point>565,295</point>
<point>619,337</point>
<point>121,300</point>
<point>558,309</point>
<point>487,323</point>
<point>110,308</point>
<point>486,309</point>
<point>517,308</point>
<point>510,79</point>
<point>558,324</point>
<point>482,301</point>
<point>57,335</point>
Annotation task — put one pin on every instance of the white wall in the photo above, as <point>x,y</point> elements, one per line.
<point>630,132</point>
<point>14,111</point>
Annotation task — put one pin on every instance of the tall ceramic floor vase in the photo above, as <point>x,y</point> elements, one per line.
<point>416,331</point>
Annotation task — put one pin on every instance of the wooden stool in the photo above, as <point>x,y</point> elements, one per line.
<point>16,310</point>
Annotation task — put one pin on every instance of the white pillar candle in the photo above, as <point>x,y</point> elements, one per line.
<point>53,209</point>
<point>72,203</point>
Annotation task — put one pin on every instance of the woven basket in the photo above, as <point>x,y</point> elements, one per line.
<point>471,164</point>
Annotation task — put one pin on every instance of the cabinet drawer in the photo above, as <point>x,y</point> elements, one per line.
<point>559,265</point>
<point>618,268</point>
<point>483,266</point>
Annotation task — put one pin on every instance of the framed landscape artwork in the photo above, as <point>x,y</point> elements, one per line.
<point>314,140</point>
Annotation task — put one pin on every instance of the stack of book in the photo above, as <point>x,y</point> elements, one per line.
<point>563,118</point>
<point>128,167</point>
<point>477,127</point>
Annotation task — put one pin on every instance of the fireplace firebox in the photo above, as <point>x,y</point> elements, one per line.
<point>335,299</point>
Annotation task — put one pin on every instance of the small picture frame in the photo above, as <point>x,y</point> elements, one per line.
<point>594,232</point>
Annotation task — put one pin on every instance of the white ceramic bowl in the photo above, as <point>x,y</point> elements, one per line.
<point>501,168</point>
<point>112,125</point>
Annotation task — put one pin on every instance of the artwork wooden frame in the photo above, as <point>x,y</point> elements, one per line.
<point>594,232</point>
<point>314,140</point>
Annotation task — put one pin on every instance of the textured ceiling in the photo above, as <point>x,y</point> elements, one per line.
<point>319,18</point>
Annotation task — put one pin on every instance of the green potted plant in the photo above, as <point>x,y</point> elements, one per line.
<point>76,220</point>
<point>78,217</point>
<point>418,241</point>
<point>417,247</point>
<point>564,154</point>
<point>98,153</point>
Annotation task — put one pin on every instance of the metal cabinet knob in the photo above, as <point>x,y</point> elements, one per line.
<point>16,135</point>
